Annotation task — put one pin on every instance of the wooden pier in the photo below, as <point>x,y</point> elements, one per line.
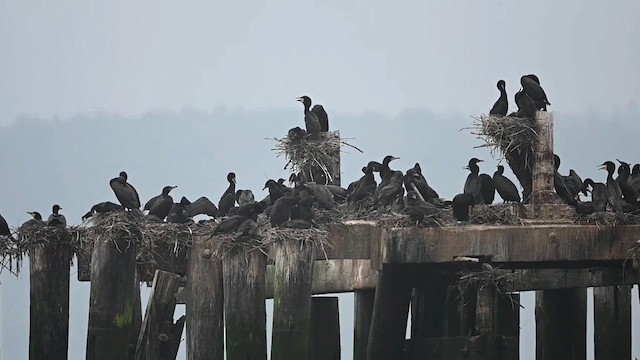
<point>389,270</point>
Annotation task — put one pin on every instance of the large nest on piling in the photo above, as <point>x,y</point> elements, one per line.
<point>497,214</point>
<point>608,219</point>
<point>502,281</point>
<point>506,134</point>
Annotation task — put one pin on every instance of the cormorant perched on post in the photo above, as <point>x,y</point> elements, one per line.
<point>462,205</point>
<point>535,91</point>
<point>505,187</point>
<point>125,192</point>
<point>56,219</point>
<point>162,206</point>
<point>228,198</point>
<point>323,118</point>
<point>36,220</point>
<point>311,121</point>
<point>502,104</point>
<point>526,106</point>
<point>4,227</point>
<point>598,194</point>
<point>472,185</point>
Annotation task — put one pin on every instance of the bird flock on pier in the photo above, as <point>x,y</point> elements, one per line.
<point>293,205</point>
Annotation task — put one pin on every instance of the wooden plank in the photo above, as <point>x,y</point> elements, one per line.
<point>244,304</point>
<point>112,299</point>
<point>561,326</point>
<point>509,246</point>
<point>612,319</point>
<point>49,306</point>
<point>205,326</point>
<point>155,339</point>
<point>292,299</point>
<point>481,347</point>
<point>325,329</point>
<point>350,240</point>
<point>545,279</point>
<point>390,312</point>
<point>363,311</point>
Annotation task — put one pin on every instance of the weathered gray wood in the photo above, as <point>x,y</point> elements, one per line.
<point>363,311</point>
<point>390,312</point>
<point>612,319</point>
<point>136,317</point>
<point>482,347</point>
<point>461,311</point>
<point>486,311</point>
<point>112,299</point>
<point>543,169</point>
<point>244,304</point>
<point>205,302</point>
<point>325,329</point>
<point>508,311</point>
<point>292,299</point>
<point>155,339</point>
<point>546,279</point>
<point>561,326</point>
<point>429,309</point>
<point>49,307</point>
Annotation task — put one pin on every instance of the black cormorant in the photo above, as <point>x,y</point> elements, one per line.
<point>296,133</point>
<point>56,219</point>
<point>502,104</point>
<point>162,206</point>
<point>505,187</point>
<point>614,193</point>
<point>36,220</point>
<point>177,214</point>
<point>431,193</point>
<point>323,196</point>
<point>311,121</point>
<point>629,194</point>
<point>574,183</point>
<point>535,91</point>
<point>417,208</point>
<point>275,190</point>
<point>598,194</point>
<point>103,207</point>
<point>244,197</point>
<point>228,198</point>
<point>229,224</point>
<point>202,206</point>
<point>125,192</point>
<point>389,192</point>
<point>487,188</point>
<point>526,106</point>
<point>4,227</point>
<point>472,184</point>
<point>365,186</point>
<point>462,204</point>
<point>281,210</point>
<point>323,118</point>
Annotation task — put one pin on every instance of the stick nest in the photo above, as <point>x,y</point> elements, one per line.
<point>608,219</point>
<point>503,281</point>
<point>30,237</point>
<point>497,214</point>
<point>506,134</point>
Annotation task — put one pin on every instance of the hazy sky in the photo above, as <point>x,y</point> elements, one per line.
<point>182,92</point>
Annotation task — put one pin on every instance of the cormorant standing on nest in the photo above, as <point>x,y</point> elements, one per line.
<point>162,206</point>
<point>526,106</point>
<point>598,194</point>
<point>390,192</point>
<point>535,91</point>
<point>311,121</point>
<point>560,185</point>
<point>462,205</point>
<point>487,188</point>
<point>614,193</point>
<point>103,207</point>
<point>281,210</point>
<point>4,227</point>
<point>365,186</point>
<point>502,104</point>
<point>177,213</point>
<point>56,219</point>
<point>125,192</point>
<point>36,220</point>
<point>322,117</point>
<point>244,197</point>
<point>202,206</point>
<point>505,187</point>
<point>296,134</point>
<point>228,198</point>
<point>417,208</point>
<point>275,190</point>
<point>628,192</point>
<point>634,178</point>
<point>472,185</point>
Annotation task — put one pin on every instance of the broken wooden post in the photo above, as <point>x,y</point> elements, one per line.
<point>244,303</point>
<point>205,302</point>
<point>363,311</point>
<point>429,309</point>
<point>112,298</point>
<point>561,326</point>
<point>543,169</point>
<point>612,319</point>
<point>325,329</point>
<point>159,337</point>
<point>292,299</point>
<point>390,312</point>
<point>49,307</point>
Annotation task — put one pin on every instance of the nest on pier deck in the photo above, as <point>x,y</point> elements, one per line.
<point>608,218</point>
<point>500,280</point>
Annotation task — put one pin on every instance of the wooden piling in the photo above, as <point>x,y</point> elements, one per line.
<point>390,312</point>
<point>561,324</point>
<point>112,299</point>
<point>205,302</point>
<point>49,307</point>
<point>363,310</point>
<point>244,304</point>
<point>159,337</point>
<point>137,316</point>
<point>292,299</point>
<point>543,169</point>
<point>612,319</point>
<point>429,309</point>
<point>325,329</point>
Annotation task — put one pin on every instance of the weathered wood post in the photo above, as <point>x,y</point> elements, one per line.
<point>561,324</point>
<point>429,309</point>
<point>244,303</point>
<point>543,169</point>
<point>49,307</point>
<point>136,317</point>
<point>159,337</point>
<point>292,299</point>
<point>205,302</point>
<point>325,329</point>
<point>390,312</point>
<point>112,298</point>
<point>363,311</point>
<point>612,319</point>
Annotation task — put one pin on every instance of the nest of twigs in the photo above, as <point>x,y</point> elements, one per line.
<point>498,214</point>
<point>502,281</point>
<point>506,134</point>
<point>603,218</point>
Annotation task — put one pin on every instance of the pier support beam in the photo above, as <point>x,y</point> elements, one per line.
<point>244,304</point>
<point>325,329</point>
<point>612,318</point>
<point>363,310</point>
<point>561,326</point>
<point>292,299</point>
<point>205,327</point>
<point>49,307</point>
